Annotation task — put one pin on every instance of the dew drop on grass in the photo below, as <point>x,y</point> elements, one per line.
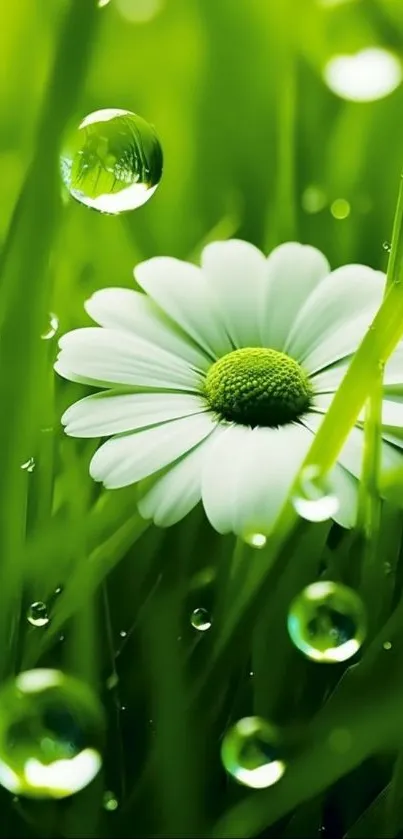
<point>387,645</point>
<point>110,801</point>
<point>123,633</point>
<point>52,327</point>
<point>327,622</point>
<point>251,753</point>
<point>29,465</point>
<point>37,614</point>
<point>255,540</point>
<point>314,499</point>
<point>387,247</point>
<point>112,162</point>
<point>200,620</point>
<point>51,734</point>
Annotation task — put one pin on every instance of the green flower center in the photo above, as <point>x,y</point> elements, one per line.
<point>258,386</point>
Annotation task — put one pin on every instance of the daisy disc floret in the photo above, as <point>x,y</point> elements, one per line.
<point>258,386</point>
<point>214,380</point>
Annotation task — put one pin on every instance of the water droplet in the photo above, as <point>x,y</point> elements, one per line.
<point>112,162</point>
<point>102,3</point>
<point>340,209</point>
<point>29,465</point>
<point>314,499</point>
<point>51,733</point>
<point>110,801</point>
<point>37,614</point>
<point>123,633</point>
<point>251,753</point>
<point>387,247</point>
<point>58,590</point>
<point>327,622</point>
<point>123,707</point>
<point>62,638</point>
<point>255,540</point>
<point>313,199</point>
<point>251,673</point>
<point>200,620</point>
<point>387,645</point>
<point>52,327</point>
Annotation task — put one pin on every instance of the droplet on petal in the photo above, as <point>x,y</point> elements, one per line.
<point>251,753</point>
<point>200,620</point>
<point>51,733</point>
<point>327,622</point>
<point>112,162</point>
<point>314,499</point>
<point>37,614</point>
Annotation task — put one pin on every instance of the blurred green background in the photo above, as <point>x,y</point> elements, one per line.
<point>257,146</point>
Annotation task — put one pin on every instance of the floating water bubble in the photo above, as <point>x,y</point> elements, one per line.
<point>112,162</point>
<point>200,619</point>
<point>51,733</point>
<point>251,753</point>
<point>387,645</point>
<point>110,801</point>
<point>52,328</point>
<point>327,622</point>
<point>368,75</point>
<point>29,465</point>
<point>314,498</point>
<point>255,540</point>
<point>313,199</point>
<point>37,614</point>
<point>123,633</point>
<point>340,209</point>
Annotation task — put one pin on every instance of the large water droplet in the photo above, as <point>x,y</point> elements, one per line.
<point>112,162</point>
<point>110,801</point>
<point>52,327</point>
<point>251,753</point>
<point>314,499</point>
<point>29,465</point>
<point>37,614</point>
<point>327,622</point>
<point>51,733</point>
<point>200,619</point>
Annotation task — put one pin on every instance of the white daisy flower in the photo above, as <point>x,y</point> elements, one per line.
<point>216,379</point>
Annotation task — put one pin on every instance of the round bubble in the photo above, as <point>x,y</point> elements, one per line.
<point>200,619</point>
<point>51,734</point>
<point>251,753</point>
<point>112,162</point>
<point>327,622</point>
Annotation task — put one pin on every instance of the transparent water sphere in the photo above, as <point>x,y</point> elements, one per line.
<point>51,734</point>
<point>314,498</point>
<point>200,619</point>
<point>37,614</point>
<point>251,753</point>
<point>327,622</point>
<point>112,162</point>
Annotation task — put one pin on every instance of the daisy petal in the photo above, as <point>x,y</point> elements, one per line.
<point>111,412</point>
<point>329,379</point>
<point>392,409</point>
<point>181,290</point>
<point>127,459</point>
<point>235,271</point>
<point>109,356</point>
<point>394,369</point>
<point>352,452</point>
<point>248,474</point>
<point>349,294</point>
<point>177,492</point>
<point>124,308</point>
<point>292,272</point>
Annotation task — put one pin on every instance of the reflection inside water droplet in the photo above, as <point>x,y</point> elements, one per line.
<point>200,619</point>
<point>314,499</point>
<point>51,732</point>
<point>327,622</point>
<point>112,162</point>
<point>37,614</point>
<point>251,753</point>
